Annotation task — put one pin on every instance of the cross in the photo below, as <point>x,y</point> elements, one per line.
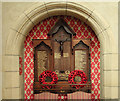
<point>61,42</point>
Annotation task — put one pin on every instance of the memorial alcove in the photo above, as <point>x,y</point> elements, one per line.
<point>80,42</point>
<point>96,23</point>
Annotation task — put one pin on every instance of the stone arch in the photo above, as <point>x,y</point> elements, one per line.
<point>38,12</point>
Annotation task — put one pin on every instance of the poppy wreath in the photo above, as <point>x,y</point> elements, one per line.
<point>50,74</point>
<point>77,73</point>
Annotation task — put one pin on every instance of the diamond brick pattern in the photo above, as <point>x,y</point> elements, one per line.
<point>20,66</point>
<point>62,97</point>
<point>82,30</point>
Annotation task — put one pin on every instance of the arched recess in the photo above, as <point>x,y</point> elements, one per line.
<point>40,11</point>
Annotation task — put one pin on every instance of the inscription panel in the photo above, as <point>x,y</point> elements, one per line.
<point>42,61</point>
<point>65,55</point>
<point>80,59</point>
<point>80,62</point>
<point>57,55</point>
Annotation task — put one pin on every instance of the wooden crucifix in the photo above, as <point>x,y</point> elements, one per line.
<point>61,42</point>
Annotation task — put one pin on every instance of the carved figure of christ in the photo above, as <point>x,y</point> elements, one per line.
<point>61,42</point>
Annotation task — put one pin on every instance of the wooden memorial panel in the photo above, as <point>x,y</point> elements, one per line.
<point>62,50</point>
<point>42,55</point>
<point>62,54</point>
<point>81,57</point>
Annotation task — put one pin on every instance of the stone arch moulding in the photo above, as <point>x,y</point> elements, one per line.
<point>38,12</point>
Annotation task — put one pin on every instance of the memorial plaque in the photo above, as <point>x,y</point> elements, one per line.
<point>57,55</point>
<point>65,54</point>
<point>80,59</point>
<point>61,53</point>
<point>62,75</point>
<point>42,60</point>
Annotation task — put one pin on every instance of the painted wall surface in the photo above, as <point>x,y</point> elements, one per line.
<point>20,66</point>
<point>40,32</point>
